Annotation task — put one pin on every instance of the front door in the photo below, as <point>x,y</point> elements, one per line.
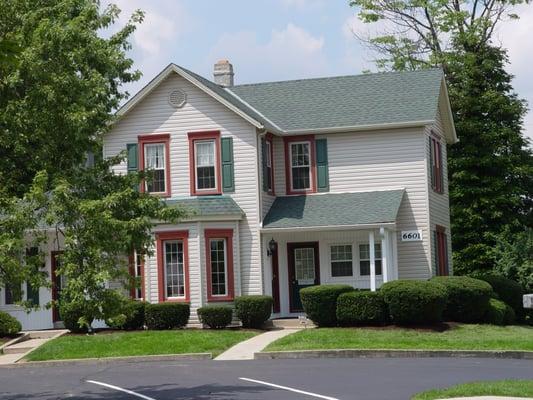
<point>304,271</point>
<point>58,283</point>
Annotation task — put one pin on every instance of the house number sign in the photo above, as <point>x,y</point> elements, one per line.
<point>411,236</point>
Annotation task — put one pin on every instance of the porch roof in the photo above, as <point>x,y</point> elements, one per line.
<point>334,209</point>
<point>208,206</point>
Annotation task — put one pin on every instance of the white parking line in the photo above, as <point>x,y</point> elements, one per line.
<point>107,385</point>
<point>290,389</point>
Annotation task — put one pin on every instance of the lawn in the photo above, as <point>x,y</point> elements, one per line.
<point>138,343</point>
<point>513,388</point>
<point>461,337</point>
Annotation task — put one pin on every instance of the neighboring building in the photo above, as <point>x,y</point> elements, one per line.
<point>294,183</point>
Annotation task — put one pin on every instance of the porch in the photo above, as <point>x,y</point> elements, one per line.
<point>356,244</point>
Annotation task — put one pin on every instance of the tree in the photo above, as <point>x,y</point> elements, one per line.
<point>57,100</point>
<point>102,218</point>
<point>491,168</point>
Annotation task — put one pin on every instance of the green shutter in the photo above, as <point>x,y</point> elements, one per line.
<point>322,173</point>
<point>228,179</point>
<point>133,157</point>
<point>264,169</point>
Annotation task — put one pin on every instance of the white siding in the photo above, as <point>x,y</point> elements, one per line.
<point>200,113</point>
<point>439,204</point>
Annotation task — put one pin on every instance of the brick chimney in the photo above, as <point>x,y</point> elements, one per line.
<point>223,73</point>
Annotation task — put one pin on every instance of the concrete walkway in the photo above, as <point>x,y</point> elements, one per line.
<point>245,350</point>
<point>18,348</point>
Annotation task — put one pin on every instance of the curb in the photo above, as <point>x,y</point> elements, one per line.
<point>353,353</point>
<point>109,360</point>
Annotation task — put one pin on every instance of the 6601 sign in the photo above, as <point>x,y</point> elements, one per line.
<point>411,236</point>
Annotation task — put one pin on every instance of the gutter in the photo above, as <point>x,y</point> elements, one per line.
<point>328,227</point>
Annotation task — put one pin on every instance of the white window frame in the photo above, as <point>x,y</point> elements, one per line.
<point>300,166</point>
<point>196,143</point>
<point>270,176</point>
<point>225,241</point>
<point>359,259</point>
<point>354,257</point>
<point>138,261</point>
<point>164,169</point>
<point>165,277</point>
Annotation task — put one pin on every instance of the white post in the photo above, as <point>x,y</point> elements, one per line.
<point>385,255</point>
<point>372,261</point>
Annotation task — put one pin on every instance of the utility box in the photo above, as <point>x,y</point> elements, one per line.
<point>527,300</point>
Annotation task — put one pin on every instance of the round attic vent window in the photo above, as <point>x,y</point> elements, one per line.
<point>177,98</point>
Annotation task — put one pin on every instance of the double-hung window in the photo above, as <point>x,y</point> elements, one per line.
<point>341,260</point>
<point>269,174</point>
<point>205,173</point>
<point>137,273</point>
<point>219,260</point>
<point>300,158</point>
<point>364,259</point>
<point>173,269</point>
<point>154,151</point>
<point>436,165</point>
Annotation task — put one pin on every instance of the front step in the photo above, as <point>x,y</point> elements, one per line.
<point>289,323</point>
<point>24,346</point>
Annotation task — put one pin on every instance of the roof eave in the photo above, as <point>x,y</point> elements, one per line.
<point>357,128</point>
<point>444,105</point>
<point>328,227</point>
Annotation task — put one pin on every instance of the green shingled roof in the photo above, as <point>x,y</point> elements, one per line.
<point>209,206</point>
<point>346,101</point>
<point>334,209</point>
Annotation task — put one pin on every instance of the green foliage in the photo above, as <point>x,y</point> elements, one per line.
<point>135,312</point>
<point>468,298</point>
<point>253,311</point>
<point>57,99</point>
<point>508,291</point>
<point>320,303</point>
<point>499,313</point>
<point>415,302</point>
<point>215,317</point>
<point>167,315</point>
<point>9,326</point>
<point>362,308</point>
<point>76,316</point>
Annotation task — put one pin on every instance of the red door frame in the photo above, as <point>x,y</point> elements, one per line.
<point>55,292</point>
<point>290,255</point>
<point>275,280</point>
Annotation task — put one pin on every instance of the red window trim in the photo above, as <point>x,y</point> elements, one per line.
<point>206,135</point>
<point>160,238</point>
<point>270,139</point>
<point>441,251</point>
<point>132,266</point>
<point>288,169</point>
<point>156,138</point>
<point>226,234</point>
<point>437,160</point>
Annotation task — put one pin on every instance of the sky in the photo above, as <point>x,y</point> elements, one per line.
<point>270,40</point>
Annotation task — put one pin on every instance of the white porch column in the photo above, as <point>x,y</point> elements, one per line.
<point>372,261</point>
<point>385,254</point>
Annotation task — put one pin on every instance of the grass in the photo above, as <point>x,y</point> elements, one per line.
<point>461,337</point>
<point>117,344</point>
<point>513,388</point>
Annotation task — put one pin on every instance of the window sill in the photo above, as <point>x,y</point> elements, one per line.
<point>176,300</point>
<point>220,299</point>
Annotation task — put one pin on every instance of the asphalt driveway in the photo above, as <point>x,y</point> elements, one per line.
<point>329,379</point>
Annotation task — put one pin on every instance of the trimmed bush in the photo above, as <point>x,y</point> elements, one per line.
<point>414,302</point>
<point>135,312</point>
<point>215,317</point>
<point>508,291</point>
<point>72,314</point>
<point>9,325</point>
<point>320,302</point>
<point>468,298</point>
<point>362,307</point>
<point>496,312</point>
<point>166,315</point>
<point>253,311</point>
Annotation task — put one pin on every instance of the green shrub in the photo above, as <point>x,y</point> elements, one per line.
<point>496,312</point>
<point>253,311</point>
<point>320,302</point>
<point>468,298</point>
<point>9,325</point>
<point>508,291</point>
<point>76,316</point>
<point>135,312</point>
<point>414,302</point>
<point>215,317</point>
<point>362,307</point>
<point>166,315</point>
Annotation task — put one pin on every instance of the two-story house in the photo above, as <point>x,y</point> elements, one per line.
<point>293,183</point>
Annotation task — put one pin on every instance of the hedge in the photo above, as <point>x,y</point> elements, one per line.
<point>71,313</point>
<point>320,302</point>
<point>362,307</point>
<point>468,298</point>
<point>166,315</point>
<point>9,325</point>
<point>414,302</point>
<point>499,313</point>
<point>508,291</point>
<point>253,311</point>
<point>135,315</point>
<point>215,317</point>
